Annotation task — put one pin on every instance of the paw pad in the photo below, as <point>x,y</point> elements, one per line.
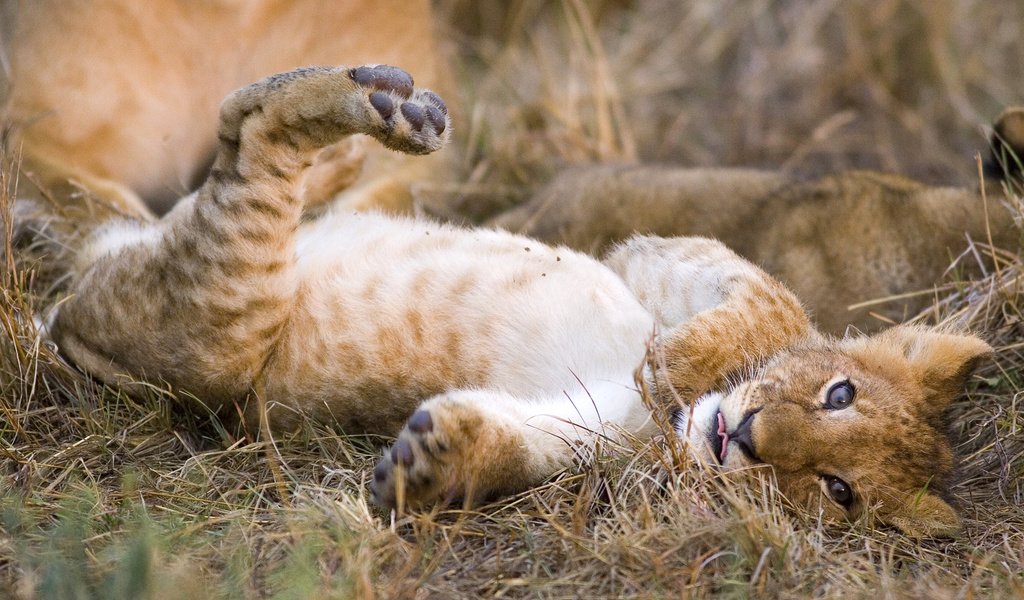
<point>421,422</point>
<point>381,472</point>
<point>436,100</point>
<point>414,115</point>
<point>385,78</point>
<point>402,453</point>
<point>382,102</point>
<point>436,119</point>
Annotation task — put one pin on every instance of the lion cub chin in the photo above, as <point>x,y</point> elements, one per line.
<point>853,424</point>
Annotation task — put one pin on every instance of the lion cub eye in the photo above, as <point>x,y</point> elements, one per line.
<point>839,490</point>
<point>839,396</point>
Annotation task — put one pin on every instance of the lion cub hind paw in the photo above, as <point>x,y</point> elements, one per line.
<point>314,107</point>
<point>417,470</point>
<point>415,121</point>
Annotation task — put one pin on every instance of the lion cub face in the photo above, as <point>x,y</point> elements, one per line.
<point>851,425</point>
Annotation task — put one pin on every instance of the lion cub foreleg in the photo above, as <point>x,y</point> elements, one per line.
<point>476,444</point>
<point>719,314</point>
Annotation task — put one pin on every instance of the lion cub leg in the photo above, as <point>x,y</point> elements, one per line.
<point>472,445</point>
<point>719,314</point>
<point>198,299</point>
<point>335,169</point>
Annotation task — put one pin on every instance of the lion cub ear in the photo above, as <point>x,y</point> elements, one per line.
<point>1006,154</point>
<point>925,515</point>
<point>941,361</point>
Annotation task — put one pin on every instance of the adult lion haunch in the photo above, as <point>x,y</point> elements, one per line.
<point>118,99</point>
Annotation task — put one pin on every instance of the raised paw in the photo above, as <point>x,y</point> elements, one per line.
<point>313,107</point>
<point>419,468</point>
<point>421,119</point>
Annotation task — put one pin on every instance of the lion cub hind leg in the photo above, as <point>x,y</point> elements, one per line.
<point>472,445</point>
<point>198,299</point>
<point>336,168</point>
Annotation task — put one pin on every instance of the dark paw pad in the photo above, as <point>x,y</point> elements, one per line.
<point>384,77</point>
<point>436,100</point>
<point>436,119</point>
<point>381,472</point>
<point>421,422</point>
<point>382,102</point>
<point>414,115</point>
<point>402,453</point>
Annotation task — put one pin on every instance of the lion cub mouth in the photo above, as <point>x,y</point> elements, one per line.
<point>719,437</point>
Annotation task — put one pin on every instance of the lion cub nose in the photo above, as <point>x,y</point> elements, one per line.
<point>743,437</point>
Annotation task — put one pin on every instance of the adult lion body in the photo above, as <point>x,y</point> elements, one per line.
<point>120,98</point>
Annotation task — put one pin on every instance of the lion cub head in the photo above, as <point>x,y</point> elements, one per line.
<point>850,425</point>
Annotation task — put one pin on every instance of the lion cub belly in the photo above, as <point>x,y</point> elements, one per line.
<point>386,318</point>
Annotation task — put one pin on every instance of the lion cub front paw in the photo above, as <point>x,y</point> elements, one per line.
<point>464,445</point>
<point>419,468</point>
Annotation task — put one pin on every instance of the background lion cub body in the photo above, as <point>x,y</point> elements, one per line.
<point>837,241</point>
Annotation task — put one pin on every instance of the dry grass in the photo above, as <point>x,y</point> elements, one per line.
<point>106,495</point>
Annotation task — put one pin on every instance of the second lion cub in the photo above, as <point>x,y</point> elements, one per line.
<point>492,356</point>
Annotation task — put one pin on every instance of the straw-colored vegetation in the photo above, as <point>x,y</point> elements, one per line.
<point>105,495</point>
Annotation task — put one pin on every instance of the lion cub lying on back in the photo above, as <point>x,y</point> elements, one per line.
<point>498,354</point>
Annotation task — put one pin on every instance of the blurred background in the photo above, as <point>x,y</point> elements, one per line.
<point>809,86</point>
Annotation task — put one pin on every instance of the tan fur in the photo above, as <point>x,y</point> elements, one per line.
<point>891,445</point>
<point>504,358</point>
<point>116,100</point>
<point>837,241</point>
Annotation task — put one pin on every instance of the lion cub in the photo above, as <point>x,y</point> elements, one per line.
<point>493,357</point>
<point>837,241</point>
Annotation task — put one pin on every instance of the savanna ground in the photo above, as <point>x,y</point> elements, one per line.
<point>105,495</point>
